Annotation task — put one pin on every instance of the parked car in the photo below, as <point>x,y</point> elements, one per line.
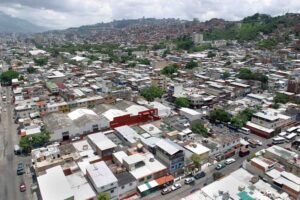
<point>176,186</point>
<point>20,169</point>
<point>189,180</point>
<point>270,144</point>
<point>166,191</point>
<point>199,175</point>
<point>259,143</point>
<point>220,166</point>
<point>229,161</point>
<point>22,187</point>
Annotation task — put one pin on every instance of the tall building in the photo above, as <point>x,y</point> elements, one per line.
<point>197,38</point>
<point>294,86</point>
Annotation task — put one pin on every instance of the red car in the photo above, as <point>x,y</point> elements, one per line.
<point>22,187</point>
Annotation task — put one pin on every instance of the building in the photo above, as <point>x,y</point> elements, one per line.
<point>144,167</point>
<point>170,156</point>
<point>54,184</point>
<point>287,158</point>
<point>102,145</point>
<point>102,179</point>
<point>127,185</point>
<point>128,135</point>
<point>191,114</point>
<point>77,123</point>
<point>294,86</point>
<point>197,38</point>
<point>266,122</point>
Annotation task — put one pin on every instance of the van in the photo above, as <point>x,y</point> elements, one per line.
<point>229,161</point>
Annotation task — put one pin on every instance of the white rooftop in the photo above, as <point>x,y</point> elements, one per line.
<point>49,182</point>
<point>80,112</point>
<point>167,147</point>
<point>197,148</point>
<point>101,141</point>
<point>100,174</point>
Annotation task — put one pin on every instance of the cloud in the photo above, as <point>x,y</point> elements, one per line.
<point>70,13</point>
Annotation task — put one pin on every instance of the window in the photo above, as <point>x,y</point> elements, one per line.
<point>149,177</point>
<point>111,184</point>
<point>130,184</point>
<point>112,191</point>
<point>123,187</point>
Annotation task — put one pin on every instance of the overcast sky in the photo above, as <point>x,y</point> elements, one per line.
<point>70,13</point>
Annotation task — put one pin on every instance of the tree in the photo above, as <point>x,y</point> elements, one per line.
<point>199,128</point>
<point>196,159</point>
<point>217,175</point>
<point>31,70</point>
<point>144,61</point>
<point>7,76</point>
<point>280,98</point>
<point>33,141</point>
<point>219,114</point>
<point>211,54</point>
<point>182,102</point>
<point>104,196</point>
<point>152,92</point>
<point>242,118</point>
<point>191,65</point>
<point>40,61</point>
<point>169,70</point>
<point>226,75</point>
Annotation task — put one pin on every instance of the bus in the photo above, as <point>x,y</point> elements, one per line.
<point>291,137</point>
<point>290,130</point>
<point>245,131</point>
<point>278,140</point>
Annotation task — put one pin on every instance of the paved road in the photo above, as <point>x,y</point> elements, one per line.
<point>9,181</point>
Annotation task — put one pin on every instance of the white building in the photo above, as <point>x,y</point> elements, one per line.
<point>55,185</point>
<point>191,114</point>
<point>79,122</point>
<point>103,179</point>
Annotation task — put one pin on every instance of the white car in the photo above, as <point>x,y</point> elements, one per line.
<point>189,180</point>
<point>176,186</point>
<point>259,143</point>
<point>229,161</point>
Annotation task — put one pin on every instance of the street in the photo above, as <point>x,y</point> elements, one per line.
<point>9,181</point>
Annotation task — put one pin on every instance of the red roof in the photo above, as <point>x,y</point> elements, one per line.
<point>164,179</point>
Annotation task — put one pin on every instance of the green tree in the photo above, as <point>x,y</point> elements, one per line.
<point>280,98</point>
<point>169,70</point>
<point>184,43</point>
<point>182,102</point>
<point>152,92</point>
<point>217,175</point>
<point>219,114</point>
<point>196,159</point>
<point>226,75</point>
<point>104,196</point>
<point>7,76</point>
<point>144,61</point>
<point>40,61</point>
<point>211,54</point>
<point>29,142</point>
<point>199,128</point>
<point>242,118</point>
<point>191,64</point>
<point>31,70</point>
